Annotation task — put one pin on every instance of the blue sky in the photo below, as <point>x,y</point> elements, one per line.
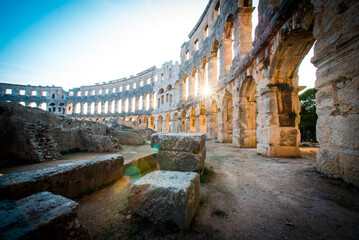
<point>70,43</point>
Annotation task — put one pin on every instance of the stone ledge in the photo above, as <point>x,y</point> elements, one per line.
<point>70,180</point>
<point>41,216</point>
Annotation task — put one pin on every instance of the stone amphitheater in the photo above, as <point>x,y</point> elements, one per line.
<point>237,89</point>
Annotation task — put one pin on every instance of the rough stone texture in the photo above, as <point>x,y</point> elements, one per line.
<point>180,151</point>
<point>166,196</point>
<point>30,135</point>
<point>141,166</point>
<point>146,133</point>
<point>41,216</point>
<point>70,180</point>
<point>190,142</point>
<point>128,137</point>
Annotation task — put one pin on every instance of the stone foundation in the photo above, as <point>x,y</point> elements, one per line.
<point>69,180</point>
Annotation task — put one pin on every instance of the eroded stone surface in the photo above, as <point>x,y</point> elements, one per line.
<point>69,180</point>
<point>41,216</point>
<point>190,142</point>
<point>166,196</point>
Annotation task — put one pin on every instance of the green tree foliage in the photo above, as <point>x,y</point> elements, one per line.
<point>308,110</point>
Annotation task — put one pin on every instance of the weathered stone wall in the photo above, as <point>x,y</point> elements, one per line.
<point>33,135</point>
<point>69,180</point>
<point>254,86</point>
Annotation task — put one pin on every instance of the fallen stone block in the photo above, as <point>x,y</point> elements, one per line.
<point>181,161</point>
<point>188,142</point>
<point>41,216</point>
<point>70,180</point>
<point>180,151</point>
<point>163,196</point>
<point>138,167</point>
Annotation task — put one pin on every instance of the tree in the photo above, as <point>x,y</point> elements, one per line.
<point>308,115</point>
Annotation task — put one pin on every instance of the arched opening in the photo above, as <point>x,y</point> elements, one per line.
<point>139,103</point>
<point>92,108</point>
<point>119,106</point>
<point>185,91</point>
<point>213,121</point>
<point>133,104</point>
<point>153,100</point>
<point>227,118</point>
<point>145,122</point>
<point>159,123</point>
<point>169,87</point>
<point>167,123</point>
<point>214,64</point>
<point>177,92</point>
<point>203,74</point>
<point>227,41</point>
<point>283,95</point>
<point>22,103</point>
<point>147,102</point>
<point>248,114</point>
<point>84,108</point>
<point>77,108</point>
<point>202,119</point>
<point>112,106</point>
<point>98,108</point>
<point>192,121</point>
<point>194,83</point>
<point>125,105</point>
<point>152,123</point>
<point>105,107</point>
<point>32,104</point>
<point>43,106</point>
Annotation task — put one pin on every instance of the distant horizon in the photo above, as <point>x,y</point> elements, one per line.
<point>70,44</point>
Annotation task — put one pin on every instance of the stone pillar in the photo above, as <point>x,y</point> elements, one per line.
<point>197,123</point>
<point>247,124</point>
<point>245,31</point>
<point>188,123</point>
<point>278,133</point>
<point>336,57</point>
<point>88,108</point>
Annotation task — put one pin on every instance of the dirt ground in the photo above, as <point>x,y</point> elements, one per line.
<point>245,196</point>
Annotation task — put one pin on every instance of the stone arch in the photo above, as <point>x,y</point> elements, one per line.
<point>203,74</point>
<point>153,100</point>
<point>283,135</point>
<point>119,106</point>
<point>112,106</point>
<point>152,123</point>
<point>159,123</point>
<point>192,120</point>
<point>227,117</point>
<point>247,114</point>
<point>213,121</point>
<point>169,87</point>
<point>32,104</point>
<point>125,105</point>
<point>133,104</point>
<point>70,107</point>
<point>167,123</point>
<point>145,122</point>
<point>105,107</point>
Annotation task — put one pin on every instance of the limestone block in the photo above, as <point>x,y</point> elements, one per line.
<point>190,142</point>
<point>41,216</point>
<point>163,196</point>
<point>181,161</point>
<point>70,180</point>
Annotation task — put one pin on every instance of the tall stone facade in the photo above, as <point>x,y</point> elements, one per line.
<point>245,92</point>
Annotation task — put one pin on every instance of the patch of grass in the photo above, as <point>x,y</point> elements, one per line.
<point>202,179</point>
<point>219,213</point>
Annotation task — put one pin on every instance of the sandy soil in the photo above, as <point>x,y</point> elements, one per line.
<point>128,152</point>
<point>245,196</point>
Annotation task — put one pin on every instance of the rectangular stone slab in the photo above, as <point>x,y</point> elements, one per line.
<point>40,216</point>
<point>188,142</point>
<point>164,196</point>
<point>70,180</point>
<point>181,161</point>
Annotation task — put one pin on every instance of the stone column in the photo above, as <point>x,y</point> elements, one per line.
<point>197,123</point>
<point>212,71</point>
<point>336,57</point>
<point>245,31</point>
